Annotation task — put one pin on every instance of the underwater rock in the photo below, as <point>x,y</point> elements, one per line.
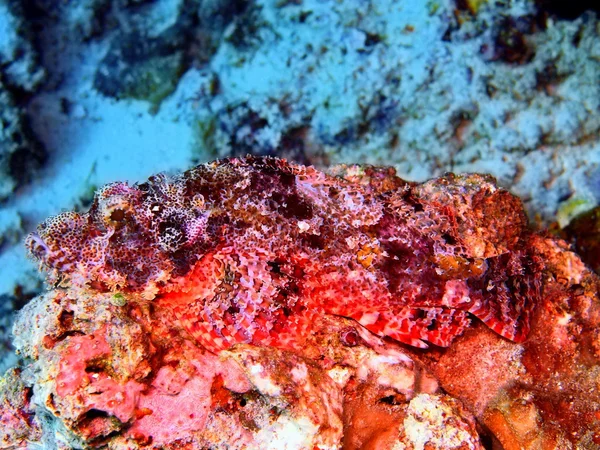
<point>417,86</point>
<point>7,357</point>
<point>19,61</point>
<point>584,232</point>
<point>141,68</point>
<point>17,416</point>
<point>78,20</point>
<point>567,10</point>
<point>247,133</point>
<point>21,154</point>
<point>157,42</point>
<point>255,303</point>
<point>146,56</point>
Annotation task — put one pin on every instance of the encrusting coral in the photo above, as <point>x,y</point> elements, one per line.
<point>255,303</point>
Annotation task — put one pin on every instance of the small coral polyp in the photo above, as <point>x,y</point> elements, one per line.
<point>255,250</point>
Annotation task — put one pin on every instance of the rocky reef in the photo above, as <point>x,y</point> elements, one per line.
<point>21,152</point>
<point>255,303</point>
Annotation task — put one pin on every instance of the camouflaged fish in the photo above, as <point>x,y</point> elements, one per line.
<point>256,250</point>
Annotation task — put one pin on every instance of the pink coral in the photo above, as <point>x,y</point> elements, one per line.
<point>255,250</point>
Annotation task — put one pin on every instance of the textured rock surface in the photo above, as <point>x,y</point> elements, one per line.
<point>21,154</point>
<point>584,233</point>
<point>157,42</point>
<point>543,392</point>
<point>19,61</point>
<point>223,308</point>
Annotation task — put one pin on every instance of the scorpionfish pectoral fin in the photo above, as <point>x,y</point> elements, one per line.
<point>417,326</point>
<point>504,299</point>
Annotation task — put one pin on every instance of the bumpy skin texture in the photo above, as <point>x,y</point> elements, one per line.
<point>255,250</point>
<point>223,309</point>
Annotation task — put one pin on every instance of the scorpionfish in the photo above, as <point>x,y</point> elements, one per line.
<point>258,249</point>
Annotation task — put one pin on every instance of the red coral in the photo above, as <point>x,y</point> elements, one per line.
<point>255,250</point>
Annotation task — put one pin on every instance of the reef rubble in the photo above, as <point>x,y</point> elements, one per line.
<point>254,303</point>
